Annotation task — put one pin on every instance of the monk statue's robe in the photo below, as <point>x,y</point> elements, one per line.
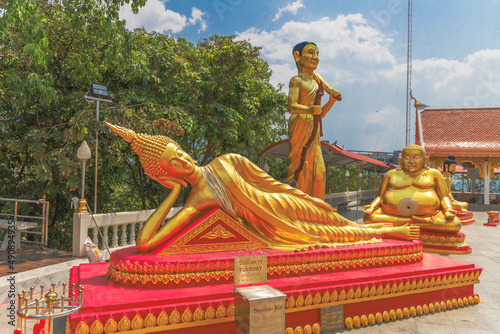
<point>311,179</point>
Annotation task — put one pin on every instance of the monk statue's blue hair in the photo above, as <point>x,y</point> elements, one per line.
<point>299,47</point>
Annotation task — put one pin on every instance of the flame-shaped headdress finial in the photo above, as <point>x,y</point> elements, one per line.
<point>148,148</point>
<point>125,133</point>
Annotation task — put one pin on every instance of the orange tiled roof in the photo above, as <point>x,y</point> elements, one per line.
<point>460,130</point>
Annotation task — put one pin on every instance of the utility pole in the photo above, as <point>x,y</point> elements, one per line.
<point>408,72</point>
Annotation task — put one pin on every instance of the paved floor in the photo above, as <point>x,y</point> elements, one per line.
<point>31,257</point>
<point>483,318</point>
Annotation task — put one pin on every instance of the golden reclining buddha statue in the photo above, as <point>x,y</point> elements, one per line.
<point>281,216</point>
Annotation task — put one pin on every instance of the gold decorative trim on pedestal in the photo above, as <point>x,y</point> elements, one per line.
<point>307,329</point>
<point>388,315</point>
<point>445,243</point>
<point>125,273</point>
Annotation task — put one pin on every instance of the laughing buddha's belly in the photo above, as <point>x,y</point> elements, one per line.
<point>428,201</point>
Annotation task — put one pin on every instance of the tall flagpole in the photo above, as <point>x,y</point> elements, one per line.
<point>408,73</point>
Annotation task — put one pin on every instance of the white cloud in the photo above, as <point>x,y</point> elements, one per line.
<point>155,17</point>
<point>289,8</point>
<point>357,59</point>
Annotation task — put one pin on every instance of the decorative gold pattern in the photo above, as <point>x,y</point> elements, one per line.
<point>230,310</point>
<point>150,320</point>
<point>221,312</point>
<point>180,247</point>
<point>96,327</point>
<point>82,328</point>
<point>210,313</point>
<point>137,322</point>
<point>111,326</point>
<point>218,232</point>
<point>198,314</point>
<point>162,319</point>
<point>297,264</point>
<point>175,317</point>
<point>363,320</point>
<point>124,324</point>
<point>187,315</point>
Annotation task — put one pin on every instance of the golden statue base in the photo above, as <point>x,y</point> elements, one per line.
<point>445,243</point>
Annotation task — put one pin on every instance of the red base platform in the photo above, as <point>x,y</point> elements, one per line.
<point>466,218</point>
<point>368,295</point>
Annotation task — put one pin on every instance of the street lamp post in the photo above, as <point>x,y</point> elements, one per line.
<point>103,91</point>
<point>83,154</point>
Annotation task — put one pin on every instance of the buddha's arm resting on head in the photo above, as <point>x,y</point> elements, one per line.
<point>153,235</point>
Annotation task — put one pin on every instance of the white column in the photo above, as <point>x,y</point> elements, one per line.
<point>486,182</point>
<point>81,223</point>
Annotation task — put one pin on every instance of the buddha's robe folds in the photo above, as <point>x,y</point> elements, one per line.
<point>311,179</point>
<point>280,215</point>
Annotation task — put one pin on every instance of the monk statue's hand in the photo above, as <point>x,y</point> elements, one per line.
<point>316,110</point>
<point>337,97</point>
<point>450,214</point>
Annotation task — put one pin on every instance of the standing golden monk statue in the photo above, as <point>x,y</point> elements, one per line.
<point>281,216</point>
<point>414,194</point>
<point>306,169</point>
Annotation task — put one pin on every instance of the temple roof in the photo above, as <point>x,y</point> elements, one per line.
<point>332,156</point>
<point>471,131</point>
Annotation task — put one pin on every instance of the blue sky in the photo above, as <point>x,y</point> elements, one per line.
<point>456,53</point>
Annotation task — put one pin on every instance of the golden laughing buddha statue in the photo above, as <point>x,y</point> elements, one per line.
<point>414,194</point>
<point>281,216</point>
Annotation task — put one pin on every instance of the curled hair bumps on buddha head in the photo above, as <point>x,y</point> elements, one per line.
<point>148,148</point>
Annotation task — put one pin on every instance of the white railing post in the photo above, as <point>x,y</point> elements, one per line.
<point>81,224</point>
<point>124,235</point>
<point>114,238</point>
<point>131,237</point>
<point>105,237</point>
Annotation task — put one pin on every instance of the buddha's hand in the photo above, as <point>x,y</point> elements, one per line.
<point>315,110</point>
<point>165,181</point>
<point>449,213</point>
<point>368,209</point>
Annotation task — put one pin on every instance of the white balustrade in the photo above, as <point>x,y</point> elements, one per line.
<point>83,222</point>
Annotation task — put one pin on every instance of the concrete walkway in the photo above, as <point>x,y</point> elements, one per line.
<point>478,319</point>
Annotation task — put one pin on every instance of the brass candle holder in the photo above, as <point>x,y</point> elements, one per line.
<point>48,306</point>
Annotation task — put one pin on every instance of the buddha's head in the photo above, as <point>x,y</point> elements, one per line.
<point>413,159</point>
<point>306,55</point>
<point>160,156</point>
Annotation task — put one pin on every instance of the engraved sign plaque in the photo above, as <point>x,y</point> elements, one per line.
<point>250,269</point>
<point>332,319</point>
<point>259,310</point>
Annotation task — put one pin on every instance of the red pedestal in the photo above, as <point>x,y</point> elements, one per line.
<point>493,219</point>
<point>466,218</point>
<point>407,288</point>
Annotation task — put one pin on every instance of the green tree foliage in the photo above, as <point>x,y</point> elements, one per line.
<point>212,97</point>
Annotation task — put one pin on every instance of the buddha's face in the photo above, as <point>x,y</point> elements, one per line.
<point>413,161</point>
<point>176,162</point>
<point>309,58</point>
